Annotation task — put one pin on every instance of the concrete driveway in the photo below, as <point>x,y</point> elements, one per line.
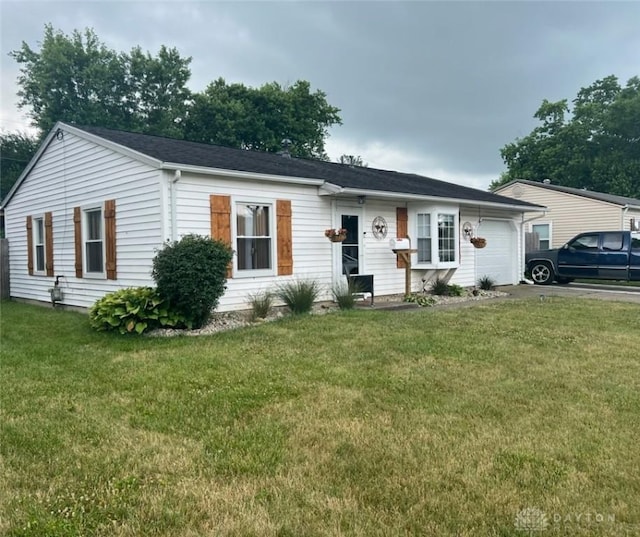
<point>582,290</point>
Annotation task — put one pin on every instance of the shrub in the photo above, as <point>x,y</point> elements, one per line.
<point>486,283</point>
<point>440,287</point>
<point>455,290</point>
<point>345,294</point>
<point>423,301</point>
<point>133,310</point>
<point>299,295</point>
<point>191,275</point>
<point>261,304</point>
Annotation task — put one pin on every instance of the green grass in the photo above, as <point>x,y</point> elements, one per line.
<point>364,423</point>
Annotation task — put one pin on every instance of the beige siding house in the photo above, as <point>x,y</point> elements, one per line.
<point>570,211</point>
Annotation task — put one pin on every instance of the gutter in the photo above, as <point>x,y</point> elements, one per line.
<point>235,174</point>
<point>329,188</point>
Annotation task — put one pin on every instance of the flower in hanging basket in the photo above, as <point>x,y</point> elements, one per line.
<point>336,235</point>
<point>479,242</point>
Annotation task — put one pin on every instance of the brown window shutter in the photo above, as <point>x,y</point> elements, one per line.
<point>77,229</point>
<point>29,246</point>
<point>285,240</point>
<point>110,238</point>
<point>401,230</point>
<point>220,207</point>
<point>48,242</point>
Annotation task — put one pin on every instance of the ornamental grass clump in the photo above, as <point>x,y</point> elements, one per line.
<point>191,275</point>
<point>299,295</point>
<point>345,294</point>
<point>261,304</point>
<point>486,283</point>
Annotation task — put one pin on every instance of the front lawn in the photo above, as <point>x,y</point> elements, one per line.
<point>501,419</point>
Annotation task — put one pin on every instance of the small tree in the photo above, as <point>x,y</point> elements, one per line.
<point>191,275</point>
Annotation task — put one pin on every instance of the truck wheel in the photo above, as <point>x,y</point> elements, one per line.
<point>542,273</point>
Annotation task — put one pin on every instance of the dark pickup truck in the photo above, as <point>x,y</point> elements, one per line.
<point>597,255</point>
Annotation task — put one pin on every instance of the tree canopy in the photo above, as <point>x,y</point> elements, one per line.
<point>261,118</point>
<point>16,150</point>
<point>77,79</point>
<point>593,145</point>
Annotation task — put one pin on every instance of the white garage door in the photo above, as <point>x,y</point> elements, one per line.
<point>499,258</point>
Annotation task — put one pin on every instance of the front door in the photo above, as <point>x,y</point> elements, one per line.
<point>351,245</point>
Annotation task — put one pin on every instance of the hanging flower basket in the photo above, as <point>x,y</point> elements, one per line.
<point>336,235</point>
<point>479,242</point>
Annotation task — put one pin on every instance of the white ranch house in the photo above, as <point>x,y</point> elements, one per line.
<point>94,205</point>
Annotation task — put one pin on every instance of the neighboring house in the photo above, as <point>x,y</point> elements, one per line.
<point>570,211</point>
<point>94,205</point>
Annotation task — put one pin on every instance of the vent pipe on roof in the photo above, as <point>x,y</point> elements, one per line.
<point>546,181</point>
<point>286,143</point>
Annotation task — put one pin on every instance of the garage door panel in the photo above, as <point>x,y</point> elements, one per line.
<point>498,259</point>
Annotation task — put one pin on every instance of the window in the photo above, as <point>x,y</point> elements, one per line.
<point>39,244</point>
<point>544,235</point>
<point>612,241</point>
<point>93,241</point>
<point>585,242</point>
<point>446,238</point>
<point>254,237</point>
<point>424,238</point>
<point>436,233</point>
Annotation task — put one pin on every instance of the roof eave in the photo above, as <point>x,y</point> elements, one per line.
<point>422,197</point>
<point>238,174</point>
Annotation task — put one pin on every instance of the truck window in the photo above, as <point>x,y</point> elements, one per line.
<point>612,241</point>
<point>585,242</point>
<point>635,243</point>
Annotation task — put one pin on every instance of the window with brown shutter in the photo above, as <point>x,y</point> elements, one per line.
<point>29,246</point>
<point>77,230</point>
<point>48,248</point>
<point>110,238</point>
<point>220,209</point>
<point>401,230</point>
<point>284,236</point>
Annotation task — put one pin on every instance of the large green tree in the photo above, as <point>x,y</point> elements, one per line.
<point>76,78</point>
<point>595,144</point>
<point>261,118</point>
<point>16,150</point>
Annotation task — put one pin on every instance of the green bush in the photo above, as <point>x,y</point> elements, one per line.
<point>442,288</point>
<point>486,283</point>
<point>455,290</point>
<point>299,295</point>
<point>345,294</point>
<point>423,301</point>
<point>261,304</point>
<point>133,310</point>
<point>191,276</point>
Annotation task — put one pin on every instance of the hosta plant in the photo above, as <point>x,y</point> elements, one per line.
<point>133,310</point>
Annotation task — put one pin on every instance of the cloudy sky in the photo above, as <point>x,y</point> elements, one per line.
<point>435,88</point>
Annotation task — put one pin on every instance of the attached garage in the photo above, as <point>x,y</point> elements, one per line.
<point>499,258</point>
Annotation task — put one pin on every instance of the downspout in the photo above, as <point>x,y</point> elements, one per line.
<point>173,188</point>
<point>625,209</point>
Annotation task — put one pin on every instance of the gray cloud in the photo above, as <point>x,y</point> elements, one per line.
<point>432,87</point>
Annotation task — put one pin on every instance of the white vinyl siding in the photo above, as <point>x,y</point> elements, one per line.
<point>75,172</point>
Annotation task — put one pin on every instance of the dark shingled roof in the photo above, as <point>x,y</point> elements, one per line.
<point>183,152</point>
<point>601,196</point>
